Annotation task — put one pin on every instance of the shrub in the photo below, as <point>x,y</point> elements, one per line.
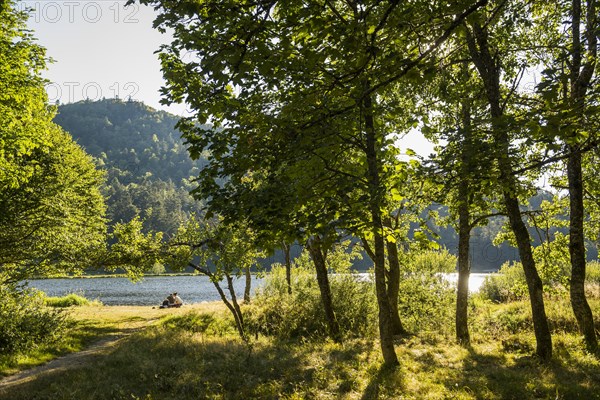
<point>275,312</point>
<point>26,322</point>
<point>506,285</point>
<point>509,283</point>
<point>426,298</point>
<point>69,300</point>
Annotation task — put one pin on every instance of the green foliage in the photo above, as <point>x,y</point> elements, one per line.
<point>506,285</point>
<point>230,249</point>
<point>26,323</point>
<point>275,312</point>
<point>134,251</point>
<point>24,114</point>
<point>429,262</point>
<point>426,298</point>
<point>509,283</point>
<point>70,300</point>
<point>51,208</point>
<point>554,263</point>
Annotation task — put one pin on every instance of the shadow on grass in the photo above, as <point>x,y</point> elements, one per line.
<point>163,363</point>
<point>187,359</point>
<point>525,377</point>
<point>382,380</point>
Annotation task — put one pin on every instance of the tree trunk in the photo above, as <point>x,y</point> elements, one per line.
<point>534,283</point>
<point>489,69</point>
<point>248,286</point>
<point>579,303</point>
<point>464,267</point>
<point>393,284</point>
<point>464,226</point>
<point>288,266</point>
<point>238,312</point>
<point>316,253</point>
<point>375,205</point>
<point>233,308</point>
<point>580,79</point>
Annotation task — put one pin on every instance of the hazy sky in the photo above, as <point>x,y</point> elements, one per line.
<point>103,49</point>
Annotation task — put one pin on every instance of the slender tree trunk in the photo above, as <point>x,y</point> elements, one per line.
<point>580,79</point>
<point>288,266</point>
<point>386,333</point>
<point>464,228</point>
<point>248,286</point>
<point>579,303</point>
<point>233,308</point>
<point>464,267</point>
<point>489,69</point>
<point>236,307</point>
<point>316,253</point>
<point>534,283</point>
<point>393,284</point>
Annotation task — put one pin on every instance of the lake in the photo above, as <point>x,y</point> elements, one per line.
<point>149,291</point>
<point>153,290</point>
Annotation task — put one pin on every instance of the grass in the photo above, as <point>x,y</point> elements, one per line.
<point>88,324</point>
<point>193,353</point>
<point>70,300</point>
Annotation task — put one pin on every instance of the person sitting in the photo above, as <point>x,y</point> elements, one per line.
<point>177,302</point>
<point>172,300</point>
<point>165,303</point>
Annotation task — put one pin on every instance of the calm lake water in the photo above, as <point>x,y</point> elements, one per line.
<point>149,291</point>
<point>152,290</point>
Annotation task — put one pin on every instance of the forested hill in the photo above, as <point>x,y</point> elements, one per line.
<point>148,167</point>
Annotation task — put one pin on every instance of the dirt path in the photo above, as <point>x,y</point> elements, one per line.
<point>72,360</point>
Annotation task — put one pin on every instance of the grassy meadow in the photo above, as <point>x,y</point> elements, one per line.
<point>194,353</point>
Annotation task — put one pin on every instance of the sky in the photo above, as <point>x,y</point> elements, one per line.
<point>102,49</point>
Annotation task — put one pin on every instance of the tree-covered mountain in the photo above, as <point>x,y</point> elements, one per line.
<point>148,169</point>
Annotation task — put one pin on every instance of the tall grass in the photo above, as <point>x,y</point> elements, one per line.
<point>70,300</point>
<point>509,283</point>
<point>275,312</point>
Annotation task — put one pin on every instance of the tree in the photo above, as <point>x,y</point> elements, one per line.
<point>51,208</point>
<point>460,168</point>
<point>24,113</point>
<point>495,64</point>
<point>218,251</point>
<point>569,90</point>
<point>304,84</point>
